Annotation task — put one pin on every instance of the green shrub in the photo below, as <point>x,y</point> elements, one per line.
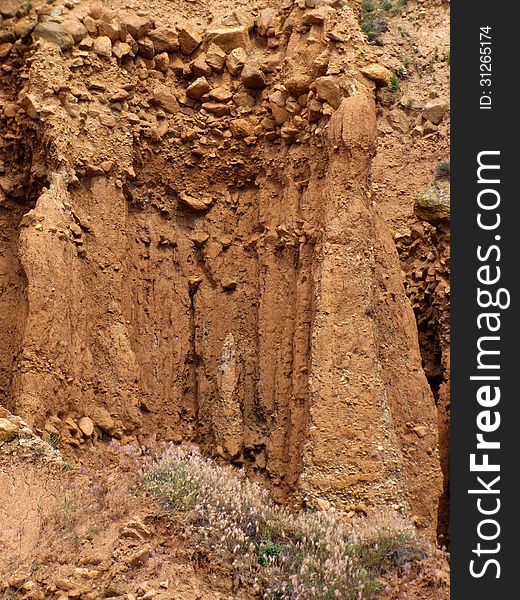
<point>442,170</point>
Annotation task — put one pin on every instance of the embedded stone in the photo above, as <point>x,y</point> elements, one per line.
<point>54,33</point>
<point>198,88</point>
<point>138,27</point>
<point>379,74</point>
<point>166,100</point>
<point>252,77</point>
<point>434,111</point>
<point>229,38</point>
<point>76,29</point>
<point>164,40</point>
<point>189,38</point>
<point>216,57</point>
<point>236,60</point>
<point>102,46</point>
<point>328,89</point>
<point>216,108</point>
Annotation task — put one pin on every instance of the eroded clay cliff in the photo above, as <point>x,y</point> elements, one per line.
<point>190,247</point>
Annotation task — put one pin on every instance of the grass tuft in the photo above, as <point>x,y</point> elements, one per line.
<point>303,556</point>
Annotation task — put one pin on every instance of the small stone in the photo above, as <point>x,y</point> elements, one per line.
<point>162,62</point>
<point>189,38</point>
<point>111,30</point>
<point>433,205</point>
<point>229,38</point>
<point>76,29</point>
<point>136,529</point>
<point>166,100</point>
<point>102,46</point>
<point>216,57</point>
<point>197,204</point>
<point>199,238</point>
<point>434,111</point>
<point>288,134</point>
<point>54,33</point>
<point>420,430</point>
<point>95,11</point>
<point>221,94</point>
<point>86,425</point>
<point>216,108</point>
<point>198,88</point>
<point>30,105</point>
<point>138,27</point>
<point>164,39</point>
<point>228,283</point>
<point>318,16</point>
<point>236,60</point>
<point>201,67</point>
<point>22,29</point>
<point>146,48</point>
<point>252,77</point>
<point>121,49</point>
<point>8,430</point>
<point>5,49</point>
<point>10,110</point>
<point>264,21</point>
<point>379,74</point>
<point>328,89</point>
<point>90,25</point>
<point>9,8</point>
<point>139,558</point>
<point>241,128</point>
<point>280,114</point>
<point>322,504</point>
<point>64,584</point>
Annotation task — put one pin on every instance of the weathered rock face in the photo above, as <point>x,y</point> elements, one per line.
<point>219,275</point>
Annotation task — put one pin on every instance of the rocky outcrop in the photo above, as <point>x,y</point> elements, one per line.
<point>205,263</point>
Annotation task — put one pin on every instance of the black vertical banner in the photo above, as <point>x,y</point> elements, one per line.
<point>485,404</point>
